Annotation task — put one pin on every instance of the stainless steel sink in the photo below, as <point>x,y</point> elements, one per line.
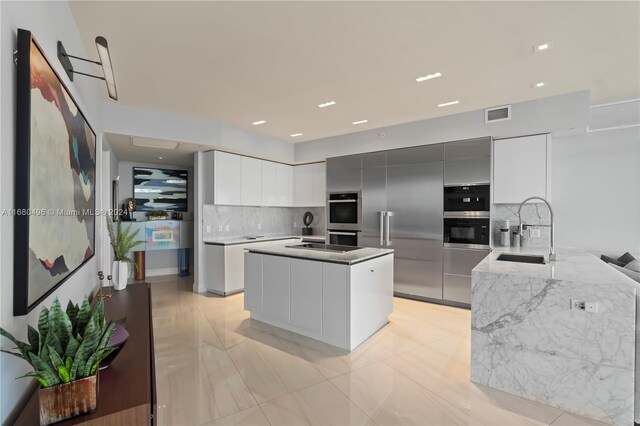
<point>522,258</point>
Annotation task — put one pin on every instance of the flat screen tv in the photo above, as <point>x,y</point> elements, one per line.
<point>160,189</point>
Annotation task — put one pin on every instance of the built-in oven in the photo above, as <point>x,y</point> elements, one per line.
<point>466,232</point>
<point>467,200</point>
<point>343,238</point>
<point>344,211</point>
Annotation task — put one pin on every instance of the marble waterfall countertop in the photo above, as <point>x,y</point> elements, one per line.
<point>348,258</point>
<point>529,339</point>
<point>261,239</point>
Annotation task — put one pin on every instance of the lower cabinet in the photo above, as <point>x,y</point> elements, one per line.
<point>306,312</point>
<point>335,299</point>
<point>457,265</point>
<point>276,281</point>
<point>253,282</point>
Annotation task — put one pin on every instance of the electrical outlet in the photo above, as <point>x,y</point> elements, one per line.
<point>577,304</point>
<point>220,228</point>
<point>259,226</point>
<point>534,233</point>
<point>591,307</point>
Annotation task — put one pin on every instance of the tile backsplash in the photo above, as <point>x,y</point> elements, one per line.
<point>227,222</point>
<point>532,214</point>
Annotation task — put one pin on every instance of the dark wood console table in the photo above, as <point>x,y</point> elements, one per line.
<point>127,388</point>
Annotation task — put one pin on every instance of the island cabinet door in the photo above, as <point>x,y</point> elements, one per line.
<point>253,282</point>
<point>335,300</point>
<point>276,281</point>
<point>306,294</point>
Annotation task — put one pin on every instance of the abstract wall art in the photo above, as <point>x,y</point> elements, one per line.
<point>54,223</point>
<point>160,189</point>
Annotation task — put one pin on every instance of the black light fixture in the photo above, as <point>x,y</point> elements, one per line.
<point>104,62</point>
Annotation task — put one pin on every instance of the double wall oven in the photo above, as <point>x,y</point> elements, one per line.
<point>466,216</point>
<point>344,221</point>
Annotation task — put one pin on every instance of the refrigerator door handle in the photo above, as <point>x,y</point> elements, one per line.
<point>388,230</point>
<point>382,215</point>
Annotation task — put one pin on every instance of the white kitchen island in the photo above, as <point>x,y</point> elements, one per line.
<point>334,297</point>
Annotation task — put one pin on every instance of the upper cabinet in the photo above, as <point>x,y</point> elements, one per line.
<point>246,181</point>
<point>251,183</point>
<point>521,168</point>
<point>309,184</point>
<point>228,178</point>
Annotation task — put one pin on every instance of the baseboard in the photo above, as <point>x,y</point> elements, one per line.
<point>430,300</point>
<point>199,288</point>
<point>161,271</point>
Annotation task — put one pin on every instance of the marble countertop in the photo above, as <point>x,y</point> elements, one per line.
<point>244,240</point>
<point>571,265</point>
<point>348,258</point>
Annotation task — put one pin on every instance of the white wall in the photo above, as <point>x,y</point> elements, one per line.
<point>595,187</point>
<point>140,122</point>
<point>158,262</point>
<point>557,114</point>
<point>49,22</point>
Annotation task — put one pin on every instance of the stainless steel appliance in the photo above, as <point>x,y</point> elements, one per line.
<point>344,238</point>
<point>467,200</point>
<point>466,232</point>
<point>344,211</point>
<point>402,209</point>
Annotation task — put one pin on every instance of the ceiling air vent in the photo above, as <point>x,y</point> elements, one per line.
<point>500,113</point>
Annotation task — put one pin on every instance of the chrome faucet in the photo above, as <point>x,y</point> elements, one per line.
<point>552,253</point>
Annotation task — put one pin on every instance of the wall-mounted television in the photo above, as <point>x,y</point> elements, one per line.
<point>160,189</point>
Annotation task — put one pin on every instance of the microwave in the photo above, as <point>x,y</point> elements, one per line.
<point>344,211</point>
<point>467,200</point>
<point>466,232</point>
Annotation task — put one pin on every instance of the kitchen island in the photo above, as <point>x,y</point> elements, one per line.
<point>561,333</point>
<point>334,296</point>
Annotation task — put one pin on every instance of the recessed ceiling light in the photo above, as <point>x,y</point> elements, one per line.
<point>159,158</point>
<point>540,84</point>
<point>256,123</point>
<point>360,122</point>
<point>153,143</point>
<point>543,46</point>
<point>295,135</point>
<point>448,104</point>
<point>326,104</point>
<point>428,77</point>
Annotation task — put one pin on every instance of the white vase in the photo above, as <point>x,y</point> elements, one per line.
<point>120,275</point>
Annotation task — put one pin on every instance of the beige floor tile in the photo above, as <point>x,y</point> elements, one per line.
<point>186,330</point>
<point>320,404</point>
<point>270,372</point>
<point>198,385</point>
<point>568,419</point>
<point>456,347</point>
<point>390,398</point>
<point>449,379</point>
<point>250,417</point>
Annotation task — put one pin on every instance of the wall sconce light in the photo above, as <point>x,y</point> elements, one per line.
<point>104,62</point>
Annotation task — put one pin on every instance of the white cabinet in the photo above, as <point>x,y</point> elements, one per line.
<point>306,291</point>
<point>319,184</point>
<point>303,185</point>
<point>284,185</point>
<point>269,180</point>
<point>335,292</point>
<point>309,185</point>
<point>521,168</point>
<point>251,182</point>
<point>228,178</point>
<point>253,282</point>
<point>275,287</point>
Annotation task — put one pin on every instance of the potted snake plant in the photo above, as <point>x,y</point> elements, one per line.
<point>64,353</point>
<point>122,241</point>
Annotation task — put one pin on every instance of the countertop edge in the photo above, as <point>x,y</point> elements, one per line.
<point>340,262</point>
<point>236,242</point>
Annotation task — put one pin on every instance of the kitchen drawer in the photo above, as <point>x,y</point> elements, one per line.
<point>461,261</point>
<point>456,288</point>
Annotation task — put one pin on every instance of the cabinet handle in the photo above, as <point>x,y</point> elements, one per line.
<point>382,214</point>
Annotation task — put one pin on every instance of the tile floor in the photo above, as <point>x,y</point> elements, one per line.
<point>215,366</point>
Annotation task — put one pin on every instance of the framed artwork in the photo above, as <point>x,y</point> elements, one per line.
<point>55,176</point>
<point>160,189</point>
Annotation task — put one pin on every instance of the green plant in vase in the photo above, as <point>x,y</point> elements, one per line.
<point>122,242</point>
<point>65,350</point>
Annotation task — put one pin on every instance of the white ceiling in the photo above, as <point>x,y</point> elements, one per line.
<point>239,62</point>
<point>125,150</point>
